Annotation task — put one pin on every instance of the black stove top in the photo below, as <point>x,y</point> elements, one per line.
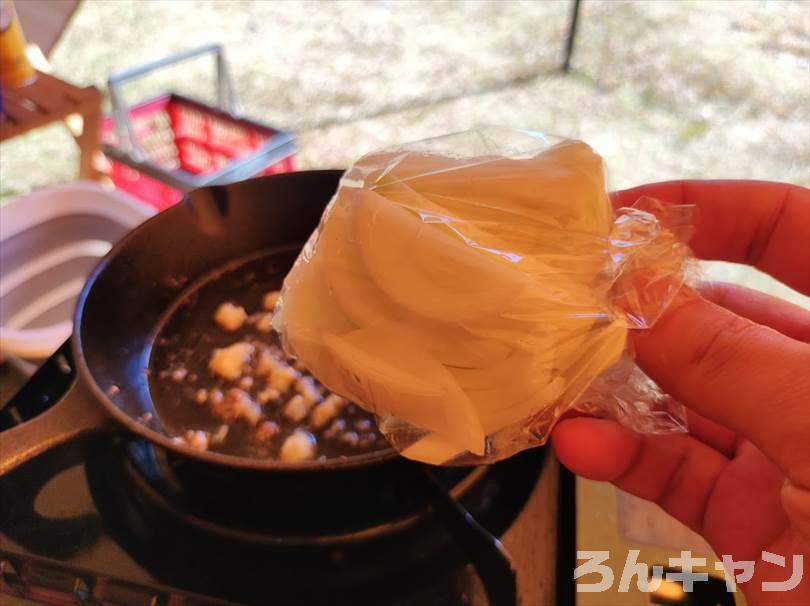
<point>98,522</point>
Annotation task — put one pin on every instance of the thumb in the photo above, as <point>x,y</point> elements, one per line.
<point>735,372</point>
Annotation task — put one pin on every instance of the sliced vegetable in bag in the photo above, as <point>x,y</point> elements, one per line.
<point>470,289</point>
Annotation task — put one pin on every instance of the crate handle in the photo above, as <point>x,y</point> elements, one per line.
<point>226,95</point>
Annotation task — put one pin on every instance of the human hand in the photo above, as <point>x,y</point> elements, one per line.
<point>739,360</point>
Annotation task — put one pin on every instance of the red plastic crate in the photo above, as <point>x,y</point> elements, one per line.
<point>179,133</point>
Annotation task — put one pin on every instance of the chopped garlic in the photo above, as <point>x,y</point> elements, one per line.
<point>282,377</point>
<point>267,395</point>
<point>196,438</point>
<point>269,301</point>
<point>300,445</point>
<point>324,412</point>
<point>230,362</point>
<point>237,405</point>
<point>215,397</point>
<point>266,363</point>
<point>266,431</point>
<point>230,317</point>
<point>297,409</point>
<point>306,387</point>
<point>335,428</point>
<point>218,437</point>
<point>264,323</point>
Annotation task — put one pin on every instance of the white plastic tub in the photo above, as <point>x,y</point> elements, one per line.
<point>49,242</point>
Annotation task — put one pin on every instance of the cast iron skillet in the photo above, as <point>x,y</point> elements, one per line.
<point>126,295</point>
<point>122,303</point>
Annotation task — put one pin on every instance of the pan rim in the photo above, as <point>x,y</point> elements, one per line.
<point>85,374</point>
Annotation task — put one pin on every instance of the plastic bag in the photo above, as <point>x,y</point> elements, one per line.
<point>470,289</point>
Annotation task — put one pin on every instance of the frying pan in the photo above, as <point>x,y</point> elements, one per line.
<point>127,294</point>
<point>123,302</point>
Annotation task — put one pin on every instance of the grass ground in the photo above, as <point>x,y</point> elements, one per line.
<point>662,88</point>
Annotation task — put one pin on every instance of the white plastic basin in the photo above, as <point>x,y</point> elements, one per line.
<point>50,240</point>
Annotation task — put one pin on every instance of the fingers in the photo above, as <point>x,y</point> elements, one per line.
<point>759,223</point>
<point>709,493</point>
<point>789,319</point>
<point>796,502</point>
<point>677,471</point>
<point>714,435</point>
<point>744,376</point>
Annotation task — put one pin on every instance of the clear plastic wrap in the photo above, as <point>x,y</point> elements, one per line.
<point>471,289</point>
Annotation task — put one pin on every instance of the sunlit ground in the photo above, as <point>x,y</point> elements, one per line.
<point>663,89</point>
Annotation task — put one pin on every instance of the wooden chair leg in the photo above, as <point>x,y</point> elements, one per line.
<point>90,147</point>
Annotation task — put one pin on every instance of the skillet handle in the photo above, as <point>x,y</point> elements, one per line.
<point>484,551</point>
<point>76,414</point>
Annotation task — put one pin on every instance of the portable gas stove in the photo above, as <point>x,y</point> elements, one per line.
<point>100,522</point>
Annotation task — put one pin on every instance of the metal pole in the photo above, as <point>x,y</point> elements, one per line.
<point>572,34</point>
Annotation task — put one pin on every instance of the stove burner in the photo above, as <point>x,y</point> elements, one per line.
<point>119,513</point>
<point>256,507</point>
<point>406,559</point>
